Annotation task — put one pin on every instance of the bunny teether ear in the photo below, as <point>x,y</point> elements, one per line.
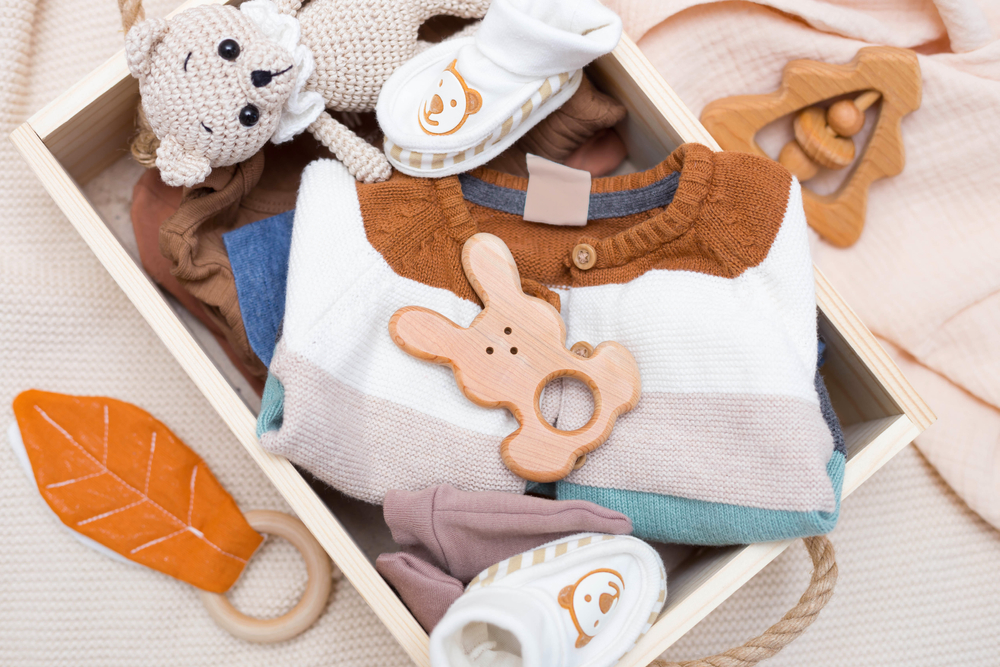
<point>510,352</point>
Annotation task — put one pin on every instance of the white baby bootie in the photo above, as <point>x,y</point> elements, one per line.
<point>462,102</point>
<point>582,601</point>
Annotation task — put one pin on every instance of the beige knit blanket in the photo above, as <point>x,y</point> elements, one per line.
<point>66,326</point>
<point>918,582</point>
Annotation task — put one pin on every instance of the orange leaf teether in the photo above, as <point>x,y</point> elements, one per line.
<point>513,348</point>
<point>115,474</point>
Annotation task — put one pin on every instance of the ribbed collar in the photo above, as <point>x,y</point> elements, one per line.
<point>694,163</point>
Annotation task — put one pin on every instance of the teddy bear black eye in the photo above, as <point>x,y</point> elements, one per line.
<point>229,49</point>
<point>249,115</point>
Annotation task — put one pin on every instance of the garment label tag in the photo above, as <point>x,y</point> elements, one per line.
<point>557,194</point>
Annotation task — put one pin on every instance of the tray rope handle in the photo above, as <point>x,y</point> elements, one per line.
<point>793,624</point>
<point>144,143</point>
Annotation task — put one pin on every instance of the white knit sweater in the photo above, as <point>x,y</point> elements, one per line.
<point>729,416</point>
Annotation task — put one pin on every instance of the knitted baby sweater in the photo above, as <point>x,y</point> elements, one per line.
<point>700,268</point>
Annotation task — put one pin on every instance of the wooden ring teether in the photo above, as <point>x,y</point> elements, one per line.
<point>308,609</point>
<point>513,348</point>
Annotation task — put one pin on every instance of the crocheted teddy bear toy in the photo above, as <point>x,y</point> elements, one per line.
<point>217,82</point>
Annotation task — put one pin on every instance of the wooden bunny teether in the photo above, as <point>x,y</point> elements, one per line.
<point>513,348</point>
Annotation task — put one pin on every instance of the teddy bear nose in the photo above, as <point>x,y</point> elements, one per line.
<point>260,77</point>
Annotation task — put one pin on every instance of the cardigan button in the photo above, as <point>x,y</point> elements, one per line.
<point>584,256</point>
<point>582,349</point>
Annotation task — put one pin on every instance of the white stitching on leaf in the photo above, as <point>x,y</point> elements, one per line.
<point>158,540</point>
<point>145,498</point>
<point>56,485</point>
<point>115,511</point>
<point>149,464</point>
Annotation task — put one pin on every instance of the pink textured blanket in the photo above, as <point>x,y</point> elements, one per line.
<point>925,275</point>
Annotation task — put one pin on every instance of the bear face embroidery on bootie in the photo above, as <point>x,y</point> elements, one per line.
<point>619,590</point>
<point>449,103</point>
<point>591,601</point>
<point>512,349</point>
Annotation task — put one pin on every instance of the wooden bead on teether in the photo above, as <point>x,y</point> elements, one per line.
<point>820,142</point>
<point>844,118</point>
<point>847,117</point>
<point>823,138</point>
<point>797,162</point>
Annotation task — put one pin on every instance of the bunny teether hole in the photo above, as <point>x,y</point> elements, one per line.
<point>513,350</point>
<point>566,403</point>
<point>508,331</point>
<point>489,350</point>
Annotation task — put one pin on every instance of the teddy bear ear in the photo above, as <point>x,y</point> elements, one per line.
<point>474,101</point>
<point>140,42</point>
<point>178,167</point>
<point>566,597</point>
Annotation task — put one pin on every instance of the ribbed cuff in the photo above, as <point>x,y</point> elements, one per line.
<point>410,517</point>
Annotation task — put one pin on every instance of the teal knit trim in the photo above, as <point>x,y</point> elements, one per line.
<point>686,521</point>
<point>272,406</point>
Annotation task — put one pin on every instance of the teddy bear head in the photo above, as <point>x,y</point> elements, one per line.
<point>449,103</point>
<point>212,85</point>
<point>591,602</point>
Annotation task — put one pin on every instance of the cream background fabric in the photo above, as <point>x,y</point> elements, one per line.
<point>918,583</point>
<point>923,275</point>
<point>65,326</point>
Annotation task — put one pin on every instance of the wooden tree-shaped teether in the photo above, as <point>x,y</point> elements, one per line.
<point>513,348</point>
<point>823,136</point>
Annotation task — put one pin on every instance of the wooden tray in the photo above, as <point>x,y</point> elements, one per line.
<point>85,130</point>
